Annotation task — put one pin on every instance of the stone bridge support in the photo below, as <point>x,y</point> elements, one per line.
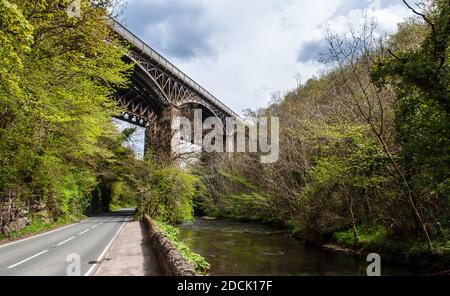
<point>158,137</point>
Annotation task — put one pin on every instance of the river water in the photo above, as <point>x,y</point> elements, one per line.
<point>236,248</point>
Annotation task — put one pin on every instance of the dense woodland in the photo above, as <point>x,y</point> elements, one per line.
<point>364,151</point>
<point>61,157</point>
<point>365,147</point>
<point>59,151</point>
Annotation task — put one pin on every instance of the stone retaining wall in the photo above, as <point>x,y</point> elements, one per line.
<point>171,261</point>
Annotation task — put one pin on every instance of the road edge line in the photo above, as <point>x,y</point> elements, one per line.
<point>92,270</point>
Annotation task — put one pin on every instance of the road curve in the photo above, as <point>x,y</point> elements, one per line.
<point>54,252</point>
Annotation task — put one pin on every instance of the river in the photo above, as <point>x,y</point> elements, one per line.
<point>236,248</point>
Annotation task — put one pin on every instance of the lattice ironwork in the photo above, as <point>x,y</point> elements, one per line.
<point>171,89</point>
<point>137,111</point>
<point>162,83</point>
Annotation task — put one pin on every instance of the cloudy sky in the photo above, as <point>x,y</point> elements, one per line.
<point>243,51</point>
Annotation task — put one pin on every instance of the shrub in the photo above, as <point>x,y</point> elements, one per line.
<point>169,195</point>
<point>172,233</point>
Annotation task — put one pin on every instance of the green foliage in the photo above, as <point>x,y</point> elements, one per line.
<point>351,166</point>
<point>420,76</point>
<point>239,179</point>
<point>172,233</point>
<point>57,77</point>
<point>294,228</point>
<point>239,199</point>
<point>15,37</point>
<point>168,195</point>
<point>354,142</point>
<point>122,196</point>
<point>253,206</point>
<point>369,237</point>
<point>38,225</point>
<point>377,238</point>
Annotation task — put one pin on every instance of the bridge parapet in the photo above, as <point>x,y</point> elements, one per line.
<point>146,52</point>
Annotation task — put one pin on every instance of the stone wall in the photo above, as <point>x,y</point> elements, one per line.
<point>171,261</point>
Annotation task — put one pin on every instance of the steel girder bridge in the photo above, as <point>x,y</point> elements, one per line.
<point>157,88</point>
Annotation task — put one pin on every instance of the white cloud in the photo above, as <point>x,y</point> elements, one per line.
<point>244,50</point>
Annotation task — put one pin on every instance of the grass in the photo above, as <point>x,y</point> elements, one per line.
<point>377,238</point>
<point>172,233</point>
<point>370,237</point>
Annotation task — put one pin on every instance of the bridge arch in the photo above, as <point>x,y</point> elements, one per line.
<point>159,90</point>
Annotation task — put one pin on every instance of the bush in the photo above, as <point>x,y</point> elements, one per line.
<point>199,263</point>
<point>169,195</point>
<point>122,196</point>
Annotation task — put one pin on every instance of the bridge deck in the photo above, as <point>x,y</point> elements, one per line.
<point>157,58</point>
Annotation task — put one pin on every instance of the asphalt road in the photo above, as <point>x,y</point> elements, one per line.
<point>71,250</point>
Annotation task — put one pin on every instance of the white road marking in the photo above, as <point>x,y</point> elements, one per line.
<point>67,240</point>
<point>94,226</point>
<point>108,247</point>
<point>39,235</point>
<point>83,232</point>
<point>25,260</point>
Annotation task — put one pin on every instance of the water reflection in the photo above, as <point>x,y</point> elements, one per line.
<point>235,248</point>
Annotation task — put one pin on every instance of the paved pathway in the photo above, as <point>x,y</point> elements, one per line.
<point>130,255</point>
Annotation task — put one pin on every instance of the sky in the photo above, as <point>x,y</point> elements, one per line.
<point>244,51</point>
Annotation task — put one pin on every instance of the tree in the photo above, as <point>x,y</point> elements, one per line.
<point>57,79</point>
<point>421,79</point>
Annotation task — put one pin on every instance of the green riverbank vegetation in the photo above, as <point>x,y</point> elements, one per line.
<point>364,147</point>
<point>172,233</point>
